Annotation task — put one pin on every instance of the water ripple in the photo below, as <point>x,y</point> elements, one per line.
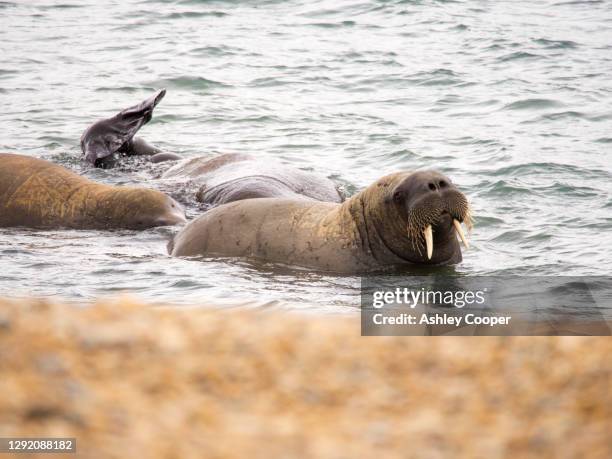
<point>186,82</point>
<point>533,104</point>
<point>196,14</point>
<point>518,55</point>
<point>513,105</point>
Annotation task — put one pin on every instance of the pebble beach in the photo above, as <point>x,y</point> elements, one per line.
<point>130,380</point>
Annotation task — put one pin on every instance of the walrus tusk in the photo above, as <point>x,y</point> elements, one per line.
<point>460,233</point>
<point>428,241</point>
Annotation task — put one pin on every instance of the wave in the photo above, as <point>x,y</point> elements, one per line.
<point>196,14</point>
<point>552,169</point>
<point>556,44</point>
<point>518,55</point>
<point>532,104</point>
<point>187,82</point>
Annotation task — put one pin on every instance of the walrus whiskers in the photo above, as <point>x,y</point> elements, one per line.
<point>423,216</point>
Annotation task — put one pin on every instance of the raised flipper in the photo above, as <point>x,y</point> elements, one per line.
<point>104,138</point>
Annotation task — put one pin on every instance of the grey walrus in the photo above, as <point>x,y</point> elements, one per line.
<point>220,179</point>
<point>39,194</point>
<point>403,218</point>
<point>233,177</point>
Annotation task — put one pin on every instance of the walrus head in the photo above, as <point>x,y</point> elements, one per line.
<point>417,217</point>
<point>137,208</point>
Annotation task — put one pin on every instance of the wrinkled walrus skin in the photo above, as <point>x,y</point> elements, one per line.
<point>234,177</point>
<point>371,231</point>
<point>38,194</point>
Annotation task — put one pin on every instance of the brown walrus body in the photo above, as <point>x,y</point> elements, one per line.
<point>387,224</point>
<point>234,177</point>
<point>39,194</point>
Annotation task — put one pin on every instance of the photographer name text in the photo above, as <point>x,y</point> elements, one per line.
<point>439,319</point>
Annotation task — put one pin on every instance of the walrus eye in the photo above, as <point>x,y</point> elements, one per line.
<point>397,196</point>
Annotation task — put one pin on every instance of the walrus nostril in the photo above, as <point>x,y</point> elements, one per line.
<point>431,186</point>
<point>443,184</point>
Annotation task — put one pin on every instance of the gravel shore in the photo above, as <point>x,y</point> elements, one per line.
<point>131,380</point>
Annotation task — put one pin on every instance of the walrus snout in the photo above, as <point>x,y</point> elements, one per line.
<point>174,215</point>
<point>146,208</point>
<point>176,220</point>
<point>433,204</point>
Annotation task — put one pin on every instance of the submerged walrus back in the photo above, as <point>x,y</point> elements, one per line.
<point>39,194</point>
<point>34,192</point>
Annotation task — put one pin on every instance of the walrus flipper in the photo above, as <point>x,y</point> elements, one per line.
<point>106,137</point>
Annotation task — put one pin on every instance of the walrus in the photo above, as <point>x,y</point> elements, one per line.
<point>233,177</point>
<point>220,179</point>
<point>105,139</point>
<point>39,194</point>
<point>406,218</point>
